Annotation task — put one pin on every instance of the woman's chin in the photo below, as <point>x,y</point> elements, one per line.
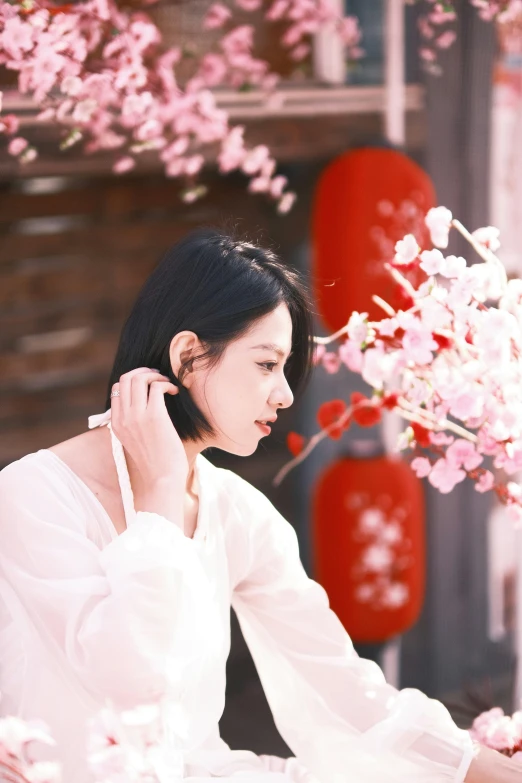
<point>238,449</point>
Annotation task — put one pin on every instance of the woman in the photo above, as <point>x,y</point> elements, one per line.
<point>123,549</point>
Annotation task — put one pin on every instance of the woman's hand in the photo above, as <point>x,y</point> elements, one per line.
<point>155,454</point>
<point>489,766</point>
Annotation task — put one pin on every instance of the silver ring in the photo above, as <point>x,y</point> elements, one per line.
<point>115,393</point>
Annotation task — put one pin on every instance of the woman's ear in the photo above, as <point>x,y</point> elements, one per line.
<point>182,351</point>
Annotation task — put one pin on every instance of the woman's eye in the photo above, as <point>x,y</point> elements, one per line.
<point>268,365</point>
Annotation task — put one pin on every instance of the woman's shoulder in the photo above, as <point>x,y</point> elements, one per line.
<point>34,481</point>
<point>30,466</point>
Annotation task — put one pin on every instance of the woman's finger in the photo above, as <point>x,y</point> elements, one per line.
<point>157,392</point>
<point>140,389</point>
<point>126,388</point>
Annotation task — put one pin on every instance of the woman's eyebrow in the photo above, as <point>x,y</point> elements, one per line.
<point>271,347</point>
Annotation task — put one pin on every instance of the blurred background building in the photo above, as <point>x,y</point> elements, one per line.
<point>77,242</point>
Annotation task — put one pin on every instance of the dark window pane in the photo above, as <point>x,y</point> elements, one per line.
<point>370,69</point>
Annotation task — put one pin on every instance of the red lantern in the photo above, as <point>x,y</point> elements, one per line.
<point>368,544</point>
<point>366,200</point>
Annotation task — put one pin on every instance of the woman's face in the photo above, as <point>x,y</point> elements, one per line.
<point>247,385</point>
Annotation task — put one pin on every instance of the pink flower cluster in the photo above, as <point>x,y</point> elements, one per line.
<point>16,764</point>
<point>130,745</point>
<point>436,24</point>
<point>498,731</point>
<point>503,10</point>
<point>449,362</point>
<point>435,29</point>
<point>307,17</point>
<point>102,74</point>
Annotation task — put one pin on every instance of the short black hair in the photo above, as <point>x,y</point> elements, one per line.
<point>216,286</point>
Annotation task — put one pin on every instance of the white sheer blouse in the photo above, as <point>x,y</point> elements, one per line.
<point>87,614</point>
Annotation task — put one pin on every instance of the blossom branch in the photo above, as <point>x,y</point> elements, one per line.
<point>388,309</point>
<point>448,364</point>
<point>430,421</point>
<point>100,72</point>
<point>484,252</point>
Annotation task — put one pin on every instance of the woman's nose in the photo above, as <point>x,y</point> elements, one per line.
<point>282,396</point>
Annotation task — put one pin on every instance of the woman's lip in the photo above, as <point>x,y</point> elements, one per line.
<point>264,427</point>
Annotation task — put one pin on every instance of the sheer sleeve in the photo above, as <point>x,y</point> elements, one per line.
<point>131,620</point>
<point>333,708</point>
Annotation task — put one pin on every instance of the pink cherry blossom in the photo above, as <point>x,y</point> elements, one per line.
<point>440,15</point>
<point>429,56</point>
<point>406,250</point>
<point>387,327</point>
<point>454,267</point>
<point>15,733</point>
<point>255,159</point>
<point>351,355</point>
<point>216,16</point>
<point>9,124</point>
<point>444,476</point>
<point>28,155</point>
<point>358,328</point>
<point>239,40</point>
<point>438,221</point>
<point>418,344</point>
<point>378,365</point>
<point>441,439</point>
<point>432,262</point>
<point>71,85</point>
<point>278,9</point>
<point>482,723</point>
<point>446,40</point>
<point>123,165</point>
<point>17,37</point>
<point>300,52</point>
<point>17,146</point>
<point>421,466</point>
<point>425,28</point>
<point>488,236</point>
<point>331,362</point>
<point>502,734</point>
<point>233,150</point>
<point>418,390</point>
<point>350,31</point>
<point>277,186</point>
<point>435,316</point>
<point>286,203</point>
<point>467,406</point>
<point>259,185</point>
<point>249,5</point>
<point>462,453</point>
<point>485,482</point>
